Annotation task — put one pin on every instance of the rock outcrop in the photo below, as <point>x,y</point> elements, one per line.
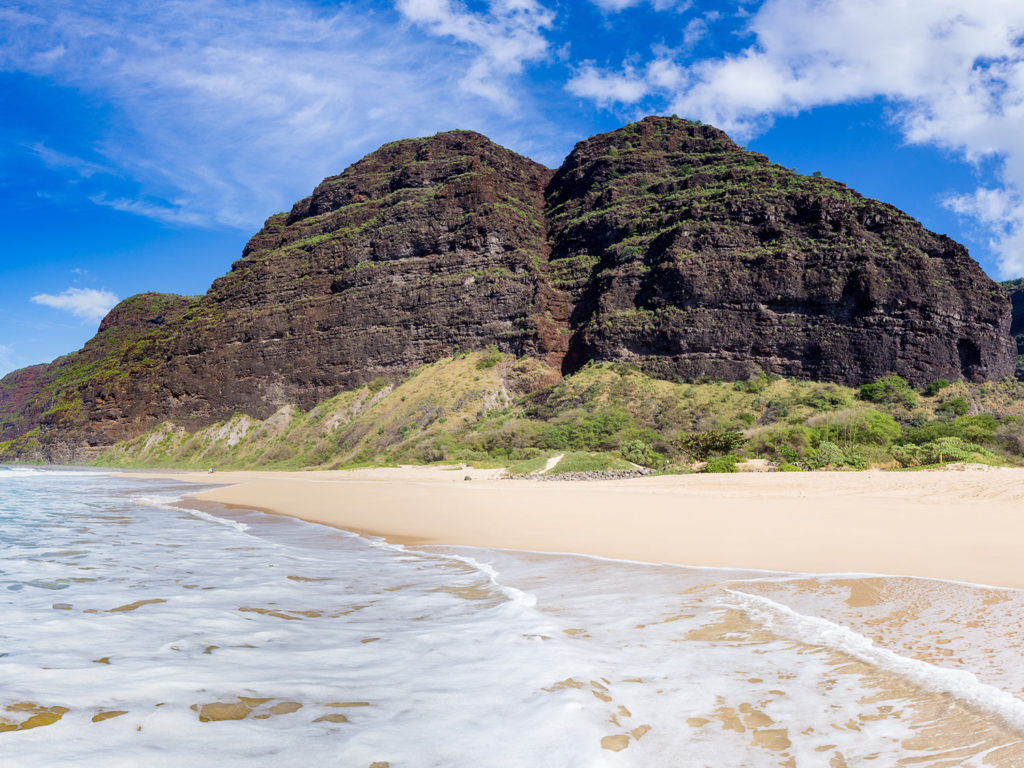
<point>662,244</point>
<point>1015,290</point>
<point>693,258</point>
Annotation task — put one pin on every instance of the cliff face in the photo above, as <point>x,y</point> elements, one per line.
<point>696,258</point>
<point>1015,291</point>
<point>663,244</point>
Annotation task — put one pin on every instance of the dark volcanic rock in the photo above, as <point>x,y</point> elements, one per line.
<point>1015,290</point>
<point>663,244</point>
<point>692,257</point>
<point>422,248</point>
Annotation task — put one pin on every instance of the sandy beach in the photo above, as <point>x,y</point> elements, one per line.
<point>956,524</point>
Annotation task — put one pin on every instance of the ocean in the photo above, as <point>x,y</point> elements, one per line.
<point>137,632</point>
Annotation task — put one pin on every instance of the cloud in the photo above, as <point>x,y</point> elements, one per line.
<point>615,6</point>
<point>952,73</point>
<point>507,36</point>
<point>608,87</point>
<point>226,111</point>
<point>169,213</point>
<point>86,303</point>
<point>58,160</point>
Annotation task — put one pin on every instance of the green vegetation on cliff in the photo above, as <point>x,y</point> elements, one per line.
<point>492,409</point>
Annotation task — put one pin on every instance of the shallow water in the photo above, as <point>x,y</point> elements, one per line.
<point>135,632</point>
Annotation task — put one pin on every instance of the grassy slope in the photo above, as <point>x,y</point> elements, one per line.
<point>466,409</point>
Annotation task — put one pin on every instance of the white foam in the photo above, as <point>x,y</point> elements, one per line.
<point>817,631</point>
<point>517,596</point>
<point>171,503</point>
<point>217,519</point>
<point>465,657</point>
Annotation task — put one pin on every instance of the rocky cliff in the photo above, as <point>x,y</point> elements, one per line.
<point>663,244</point>
<point>1015,290</point>
<point>692,257</point>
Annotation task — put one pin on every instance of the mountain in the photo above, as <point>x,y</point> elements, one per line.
<point>663,245</point>
<point>1015,290</point>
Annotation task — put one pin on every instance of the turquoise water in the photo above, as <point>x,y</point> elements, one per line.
<point>137,632</point>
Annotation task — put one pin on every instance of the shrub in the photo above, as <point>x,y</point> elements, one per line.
<point>787,443</point>
<point>848,427</point>
<point>971,429</point>
<point>787,467</point>
<point>583,432</point>
<point>1010,436</point>
<point>892,390</point>
<point>701,445</point>
<point>935,387</point>
<point>725,463</point>
<point>642,453</point>
<point>831,455</point>
<point>489,360</point>
<point>941,451</point>
<point>950,409</point>
<point>754,385</point>
<point>827,454</point>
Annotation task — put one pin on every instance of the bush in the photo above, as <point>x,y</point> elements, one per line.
<point>642,453</point>
<point>831,455</point>
<point>786,443</point>
<point>892,390</point>
<point>725,463</point>
<point>1010,436</point>
<point>754,385</point>
<point>489,360</point>
<point>787,467</point>
<point>848,427</point>
<point>935,387</point>
<point>941,451</point>
<point>700,445</point>
<point>971,429</point>
<point>591,431</point>
<point>953,408</point>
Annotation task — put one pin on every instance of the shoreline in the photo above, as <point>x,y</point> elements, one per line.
<point>960,526</point>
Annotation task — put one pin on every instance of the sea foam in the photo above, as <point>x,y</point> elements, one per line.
<point>141,632</point>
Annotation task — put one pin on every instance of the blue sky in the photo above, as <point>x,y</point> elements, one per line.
<point>142,143</point>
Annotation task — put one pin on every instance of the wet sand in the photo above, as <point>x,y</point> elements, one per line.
<point>959,525</point>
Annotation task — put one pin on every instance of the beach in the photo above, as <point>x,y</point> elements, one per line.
<point>141,621</point>
<point>959,524</point>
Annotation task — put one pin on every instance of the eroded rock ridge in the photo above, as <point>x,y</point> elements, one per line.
<point>662,244</point>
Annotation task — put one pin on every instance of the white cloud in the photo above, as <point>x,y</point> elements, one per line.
<point>175,212</point>
<point>608,87</point>
<point>86,303</point>
<point>506,37</point>
<point>615,6</point>
<point>59,160</point>
<point>952,71</point>
<point>225,111</point>
<point>695,31</point>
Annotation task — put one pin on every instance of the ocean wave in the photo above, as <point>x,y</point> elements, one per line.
<point>171,503</point>
<point>517,596</point>
<point>813,630</point>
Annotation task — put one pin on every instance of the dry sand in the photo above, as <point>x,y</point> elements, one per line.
<point>965,525</point>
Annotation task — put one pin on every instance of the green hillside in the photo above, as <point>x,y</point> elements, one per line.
<point>491,409</point>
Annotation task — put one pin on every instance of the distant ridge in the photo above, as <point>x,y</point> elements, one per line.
<point>662,244</point>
